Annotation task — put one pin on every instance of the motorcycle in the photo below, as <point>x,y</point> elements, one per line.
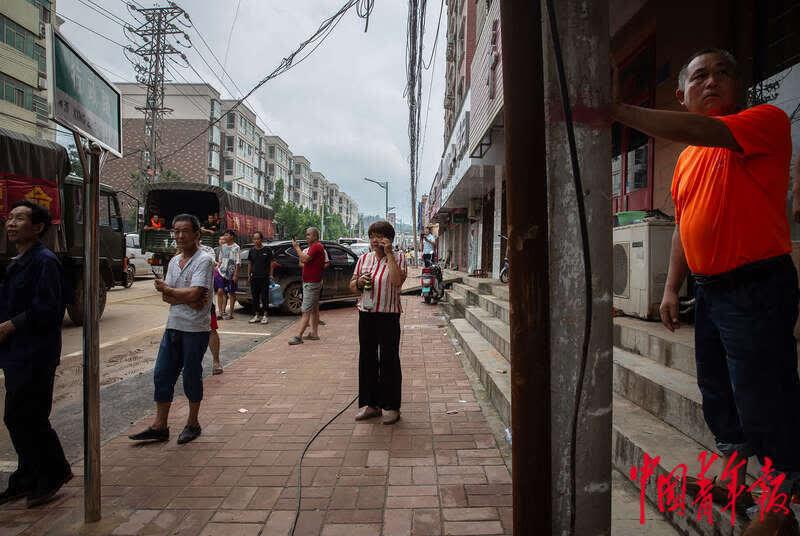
<point>432,283</point>
<point>504,269</point>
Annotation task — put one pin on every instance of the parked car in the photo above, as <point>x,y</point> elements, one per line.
<point>336,278</point>
<point>137,260</point>
<point>359,248</point>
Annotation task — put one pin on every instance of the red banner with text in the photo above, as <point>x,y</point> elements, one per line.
<point>44,192</point>
<point>245,224</point>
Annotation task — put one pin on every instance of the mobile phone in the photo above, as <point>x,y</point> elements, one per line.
<point>156,274</point>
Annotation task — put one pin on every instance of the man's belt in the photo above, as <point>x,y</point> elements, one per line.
<point>746,273</point>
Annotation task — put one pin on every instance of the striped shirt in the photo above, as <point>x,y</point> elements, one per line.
<point>385,295</point>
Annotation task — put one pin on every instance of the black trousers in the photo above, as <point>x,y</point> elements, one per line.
<point>379,376</point>
<point>259,289</point>
<point>29,399</point>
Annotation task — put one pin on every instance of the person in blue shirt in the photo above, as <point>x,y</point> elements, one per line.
<point>31,312</point>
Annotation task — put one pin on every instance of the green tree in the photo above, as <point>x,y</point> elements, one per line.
<point>170,175</point>
<point>277,200</point>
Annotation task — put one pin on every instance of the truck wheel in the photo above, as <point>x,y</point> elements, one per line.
<point>130,275</point>
<point>293,299</point>
<point>75,309</point>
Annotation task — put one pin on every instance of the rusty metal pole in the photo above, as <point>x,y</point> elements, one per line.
<point>526,205</point>
<point>91,340</point>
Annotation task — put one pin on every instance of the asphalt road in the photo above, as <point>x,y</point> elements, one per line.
<point>130,332</point>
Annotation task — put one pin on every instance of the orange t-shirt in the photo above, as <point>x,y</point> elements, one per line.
<point>731,206</point>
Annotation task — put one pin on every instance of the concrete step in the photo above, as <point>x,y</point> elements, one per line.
<point>501,291</point>
<point>482,284</point>
<point>492,369</point>
<point>670,395</point>
<point>636,432</point>
<point>497,307</point>
<point>494,330</point>
<point>625,511</point>
<point>654,341</point>
<point>454,305</point>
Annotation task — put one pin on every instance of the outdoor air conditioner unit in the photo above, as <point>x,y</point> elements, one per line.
<point>641,259</point>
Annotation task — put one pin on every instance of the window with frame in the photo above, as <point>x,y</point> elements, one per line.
<point>229,166</point>
<point>231,120</point>
<point>272,152</point>
<point>632,150</point>
<point>229,143</point>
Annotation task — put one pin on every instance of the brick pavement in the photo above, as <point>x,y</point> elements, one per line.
<point>433,473</point>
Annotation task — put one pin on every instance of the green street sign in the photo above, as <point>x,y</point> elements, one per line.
<point>82,99</point>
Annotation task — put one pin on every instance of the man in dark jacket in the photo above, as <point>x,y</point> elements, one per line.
<point>31,312</point>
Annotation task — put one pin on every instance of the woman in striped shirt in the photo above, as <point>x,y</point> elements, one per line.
<point>379,276</point>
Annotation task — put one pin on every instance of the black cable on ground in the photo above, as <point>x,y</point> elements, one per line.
<point>300,463</point>
<point>587,266</point>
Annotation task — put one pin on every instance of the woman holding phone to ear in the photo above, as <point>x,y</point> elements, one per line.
<point>379,277</point>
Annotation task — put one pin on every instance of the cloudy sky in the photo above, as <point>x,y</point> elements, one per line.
<point>343,107</point>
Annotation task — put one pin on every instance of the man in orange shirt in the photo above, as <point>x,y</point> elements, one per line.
<point>732,232</point>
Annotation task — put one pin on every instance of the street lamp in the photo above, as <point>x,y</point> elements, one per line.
<point>385,186</point>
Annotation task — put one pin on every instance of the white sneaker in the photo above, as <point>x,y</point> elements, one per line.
<point>255,319</point>
<point>265,320</point>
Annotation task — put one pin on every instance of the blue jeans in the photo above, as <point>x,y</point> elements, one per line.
<point>180,350</point>
<point>747,361</point>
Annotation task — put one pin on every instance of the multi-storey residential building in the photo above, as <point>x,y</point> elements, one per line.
<point>245,165</point>
<point>193,107</point>
<point>319,185</point>
<point>279,164</point>
<point>23,67</point>
<point>461,27</point>
<point>300,185</point>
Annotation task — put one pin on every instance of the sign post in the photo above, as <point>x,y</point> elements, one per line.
<point>84,102</point>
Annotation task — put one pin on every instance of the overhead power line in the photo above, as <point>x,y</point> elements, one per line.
<point>324,30</point>
<point>230,33</point>
<point>91,30</point>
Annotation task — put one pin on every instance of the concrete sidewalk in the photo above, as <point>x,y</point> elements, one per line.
<point>438,471</point>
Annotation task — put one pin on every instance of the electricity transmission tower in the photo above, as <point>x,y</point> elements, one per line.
<point>154,31</point>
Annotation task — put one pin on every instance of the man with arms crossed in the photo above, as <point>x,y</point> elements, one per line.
<point>729,189</point>
<point>187,288</point>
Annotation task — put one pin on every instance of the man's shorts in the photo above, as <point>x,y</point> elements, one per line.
<point>219,281</point>
<point>228,286</point>
<point>311,293</point>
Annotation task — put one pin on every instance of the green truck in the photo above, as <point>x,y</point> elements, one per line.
<point>39,170</point>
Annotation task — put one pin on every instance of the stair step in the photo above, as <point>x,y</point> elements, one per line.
<point>501,291</point>
<point>488,365</point>
<point>482,284</point>
<point>454,305</point>
<point>494,330</point>
<point>670,395</point>
<point>635,432</point>
<point>497,307</point>
<point>654,341</point>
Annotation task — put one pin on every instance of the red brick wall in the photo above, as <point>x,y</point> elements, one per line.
<point>191,163</point>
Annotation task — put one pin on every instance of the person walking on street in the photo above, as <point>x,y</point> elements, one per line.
<point>325,266</point>
<point>261,270</point>
<point>732,232</point>
<point>187,288</point>
<point>229,261</point>
<point>428,246</point>
<point>313,266</point>
<point>379,277</point>
<point>31,312</point>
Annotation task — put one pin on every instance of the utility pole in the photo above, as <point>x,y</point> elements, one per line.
<point>583,381</point>
<point>529,282</point>
<point>157,26</point>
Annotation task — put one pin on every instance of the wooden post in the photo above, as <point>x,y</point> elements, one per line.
<point>529,285</point>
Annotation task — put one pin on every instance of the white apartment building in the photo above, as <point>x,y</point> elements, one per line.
<point>279,164</point>
<point>318,189</point>
<point>244,170</point>
<point>23,67</point>
<point>300,189</point>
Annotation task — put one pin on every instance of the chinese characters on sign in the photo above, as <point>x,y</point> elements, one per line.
<point>82,99</point>
<point>676,490</point>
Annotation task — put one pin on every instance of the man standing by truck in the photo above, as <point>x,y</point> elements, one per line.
<point>187,288</point>
<point>31,311</point>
